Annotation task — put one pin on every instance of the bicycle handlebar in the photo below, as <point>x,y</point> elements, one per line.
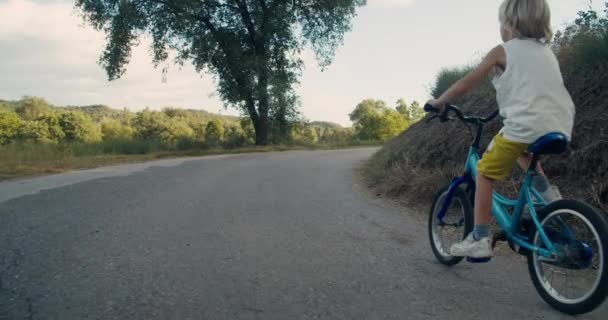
<point>443,116</point>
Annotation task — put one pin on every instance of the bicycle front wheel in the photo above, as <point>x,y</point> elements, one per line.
<point>453,227</point>
<point>577,281</point>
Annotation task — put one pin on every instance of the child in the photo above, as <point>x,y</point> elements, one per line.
<point>531,98</point>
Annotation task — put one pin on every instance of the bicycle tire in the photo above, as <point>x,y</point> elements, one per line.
<point>598,222</point>
<point>467,211</point>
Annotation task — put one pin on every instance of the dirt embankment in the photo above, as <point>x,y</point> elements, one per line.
<point>426,156</point>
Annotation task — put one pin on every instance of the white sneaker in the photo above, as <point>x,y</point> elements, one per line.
<point>471,248</point>
<point>552,194</point>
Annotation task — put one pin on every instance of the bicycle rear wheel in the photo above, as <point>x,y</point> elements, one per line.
<point>455,225</point>
<point>577,282</point>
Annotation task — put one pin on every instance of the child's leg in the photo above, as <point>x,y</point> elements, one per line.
<point>524,162</point>
<point>483,207</point>
<point>540,182</point>
<point>496,164</point>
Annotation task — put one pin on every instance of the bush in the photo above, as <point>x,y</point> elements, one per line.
<point>52,122</point>
<point>32,108</point>
<point>115,130</point>
<point>447,77</point>
<point>78,127</point>
<point>583,43</point>
<point>176,130</point>
<point>149,125</point>
<point>214,133</point>
<point>373,120</point>
<point>234,138</point>
<point>10,123</point>
<point>35,131</point>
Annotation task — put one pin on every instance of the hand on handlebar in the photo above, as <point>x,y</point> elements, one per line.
<point>434,106</point>
<point>442,114</point>
<point>440,110</point>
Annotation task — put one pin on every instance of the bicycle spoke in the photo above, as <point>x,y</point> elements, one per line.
<point>580,276</point>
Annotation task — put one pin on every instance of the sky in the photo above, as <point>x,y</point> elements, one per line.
<point>394,50</point>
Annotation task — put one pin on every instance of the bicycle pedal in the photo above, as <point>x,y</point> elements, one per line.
<point>478,260</point>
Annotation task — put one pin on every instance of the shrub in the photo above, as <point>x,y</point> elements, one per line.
<point>78,127</point>
<point>32,108</point>
<point>115,130</point>
<point>214,132</point>
<point>35,131</point>
<point>234,137</point>
<point>149,125</point>
<point>52,122</point>
<point>583,43</point>
<point>10,124</point>
<point>447,77</point>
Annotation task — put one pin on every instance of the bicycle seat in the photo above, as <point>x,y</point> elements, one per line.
<point>551,143</point>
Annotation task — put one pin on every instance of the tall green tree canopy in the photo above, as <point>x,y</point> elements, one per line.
<point>251,46</point>
<point>31,108</point>
<point>373,120</point>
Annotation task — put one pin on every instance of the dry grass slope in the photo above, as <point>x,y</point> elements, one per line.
<point>427,155</point>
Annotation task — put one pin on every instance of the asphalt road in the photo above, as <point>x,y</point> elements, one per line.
<point>260,236</point>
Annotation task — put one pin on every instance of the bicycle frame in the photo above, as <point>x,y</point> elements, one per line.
<point>509,223</point>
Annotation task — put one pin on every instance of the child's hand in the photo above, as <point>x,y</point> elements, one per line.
<point>438,104</point>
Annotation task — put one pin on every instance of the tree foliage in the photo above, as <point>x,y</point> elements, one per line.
<point>77,127</point>
<point>214,133</point>
<point>412,113</point>
<point>31,108</point>
<point>583,43</point>
<point>373,120</point>
<point>251,46</point>
<point>125,132</point>
<point>113,129</point>
<point>9,126</point>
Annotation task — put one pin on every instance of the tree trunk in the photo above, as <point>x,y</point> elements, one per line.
<point>263,102</point>
<point>261,132</point>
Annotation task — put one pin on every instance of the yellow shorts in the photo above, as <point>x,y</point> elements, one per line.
<point>499,158</point>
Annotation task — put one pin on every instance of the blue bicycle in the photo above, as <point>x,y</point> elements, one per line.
<point>566,241</point>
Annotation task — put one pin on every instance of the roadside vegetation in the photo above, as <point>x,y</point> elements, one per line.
<point>37,137</point>
<point>425,157</point>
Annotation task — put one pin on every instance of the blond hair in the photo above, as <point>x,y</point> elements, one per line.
<point>527,19</point>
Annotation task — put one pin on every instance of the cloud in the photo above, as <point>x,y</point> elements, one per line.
<point>46,51</point>
<point>389,3</point>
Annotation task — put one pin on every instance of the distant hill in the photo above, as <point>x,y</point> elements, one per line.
<point>98,112</point>
<point>325,124</point>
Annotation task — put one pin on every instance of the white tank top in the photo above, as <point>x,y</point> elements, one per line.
<point>531,94</point>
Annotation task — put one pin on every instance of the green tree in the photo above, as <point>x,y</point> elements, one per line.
<point>584,43</point>
<point>112,129</point>
<point>248,130</point>
<point>9,126</point>
<point>391,124</point>
<point>149,124</point>
<point>309,134</point>
<point>373,120</point>
<point>251,46</point>
<point>79,127</point>
<point>35,131</point>
<point>52,122</point>
<point>234,137</point>
<point>214,132</point>
<point>402,107</point>
<point>32,108</point>
<point>412,112</point>
<point>416,112</point>
<point>176,130</point>
<point>367,119</point>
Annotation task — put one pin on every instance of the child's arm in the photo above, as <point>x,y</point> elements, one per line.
<point>496,57</point>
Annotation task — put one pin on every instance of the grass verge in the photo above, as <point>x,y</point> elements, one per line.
<point>19,160</point>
